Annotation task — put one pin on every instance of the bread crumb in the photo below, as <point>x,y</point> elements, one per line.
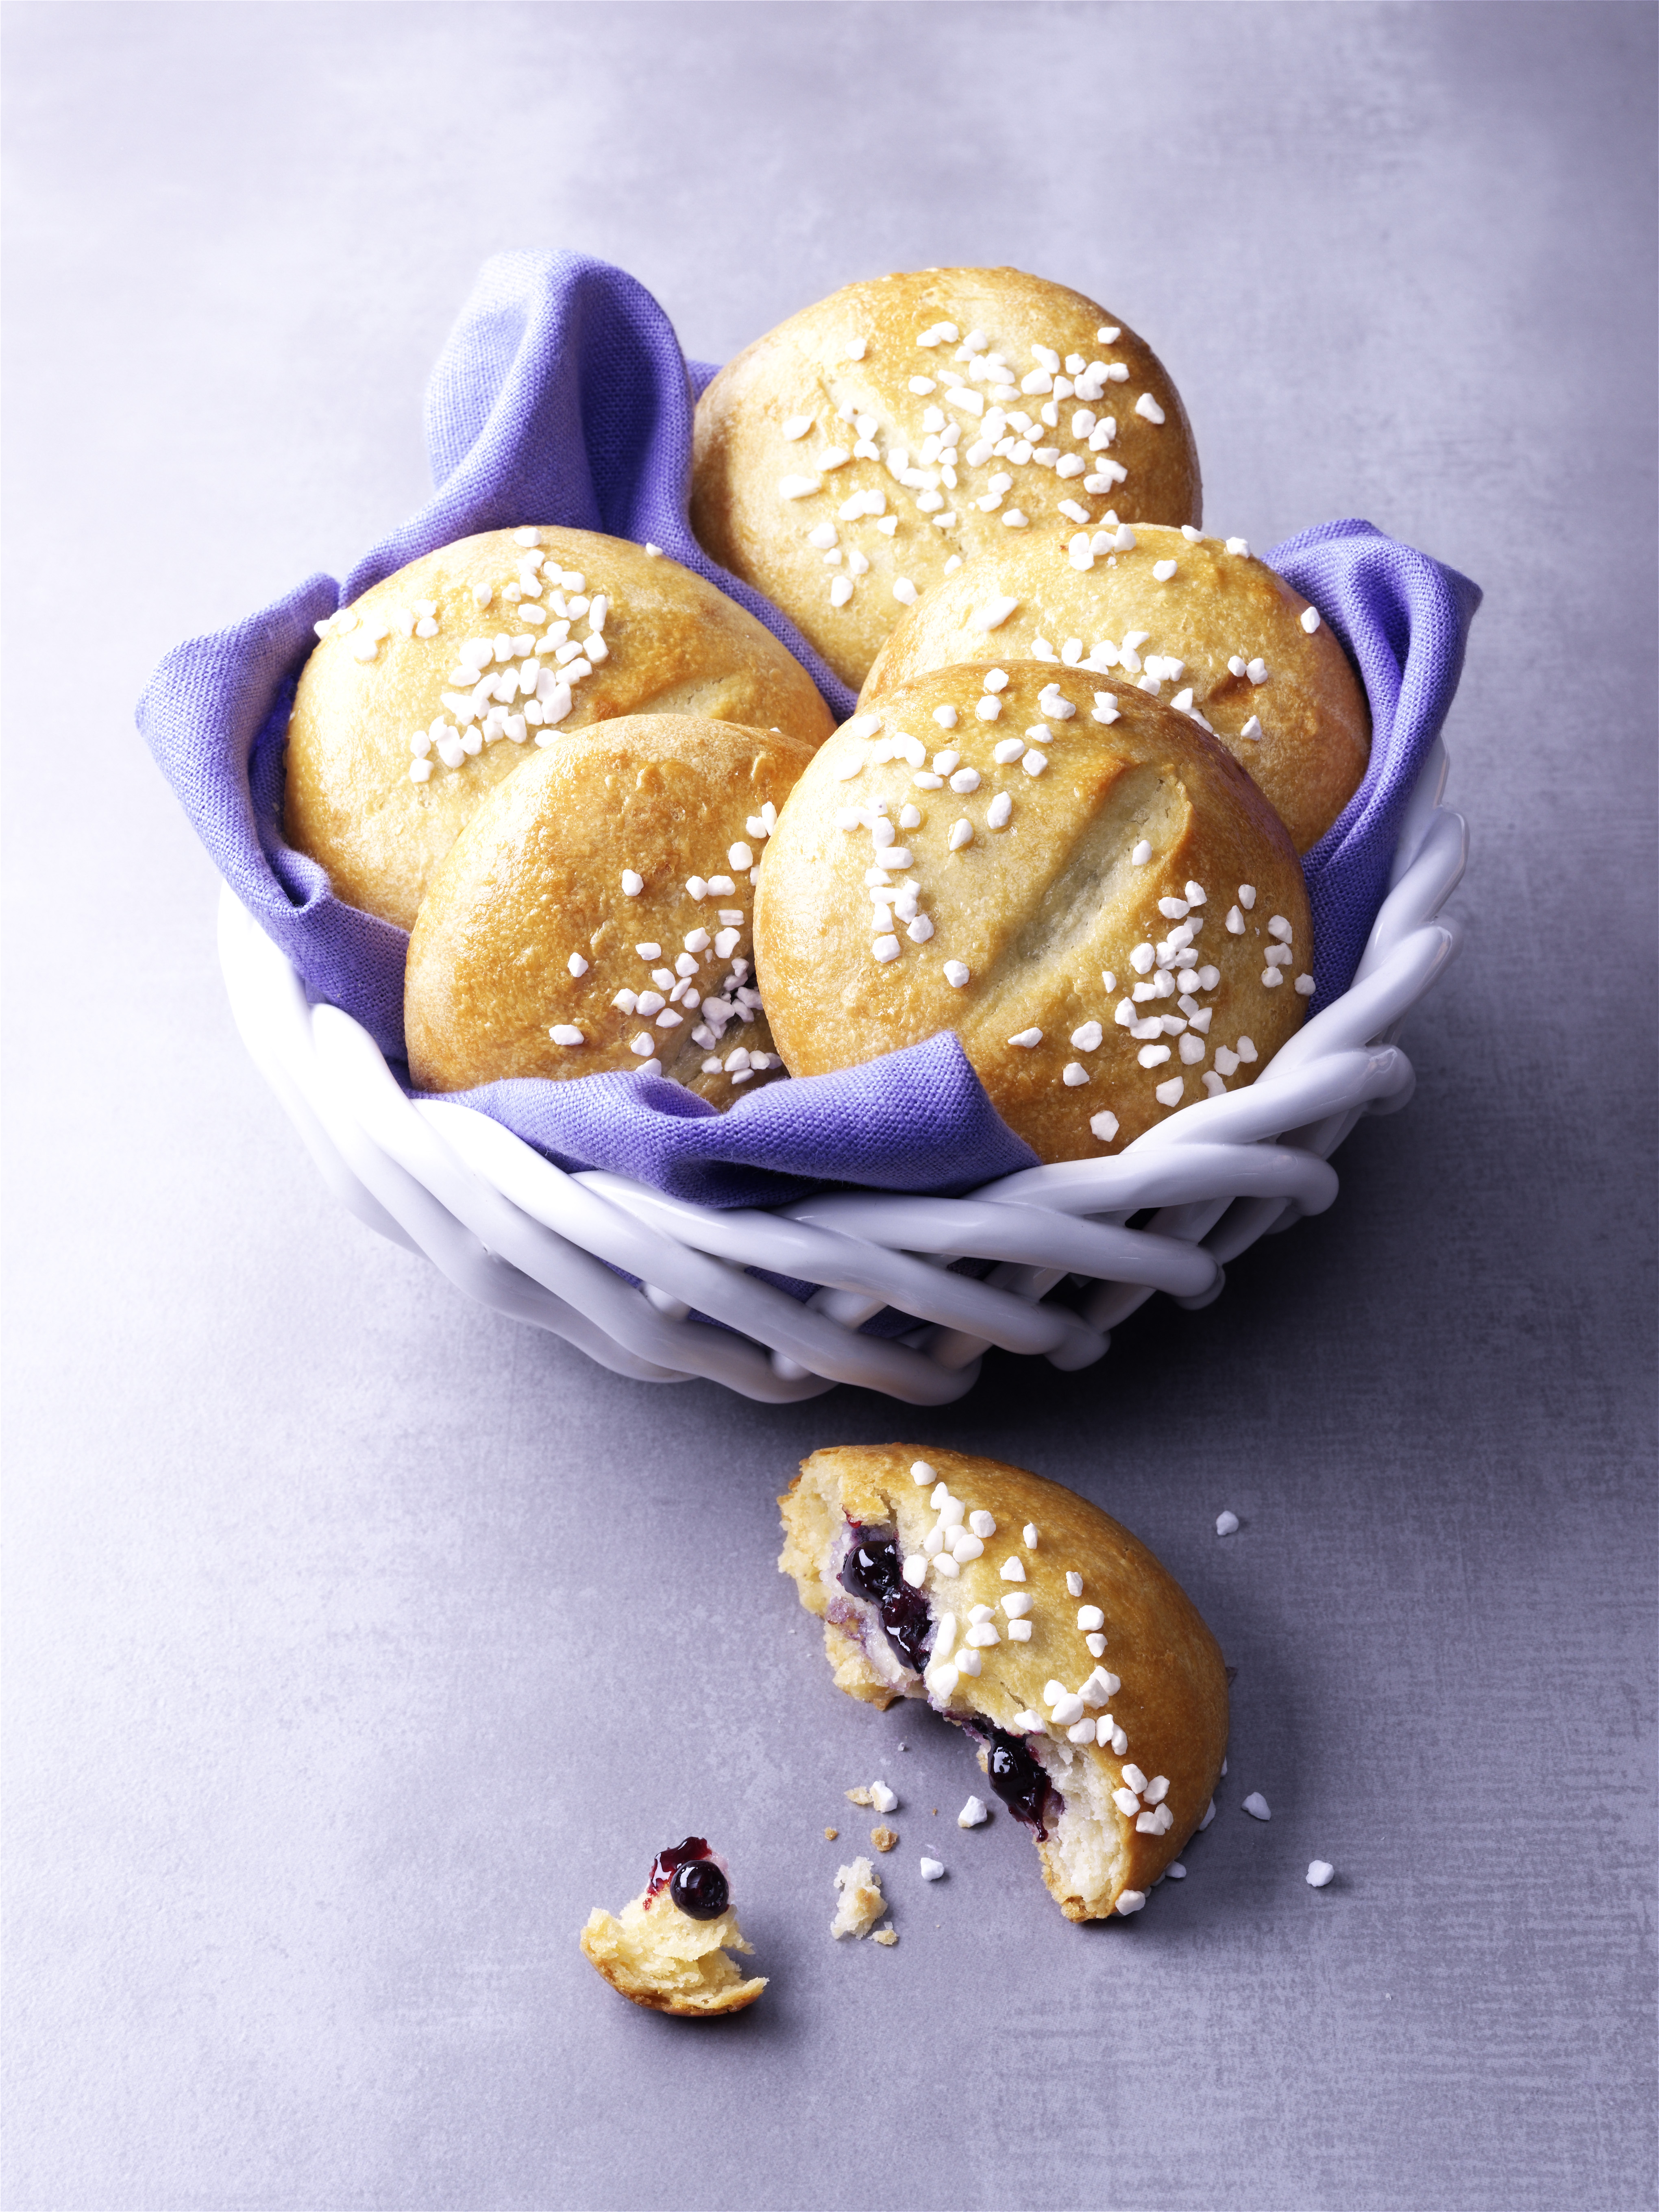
<point>889,1936</point>
<point>861,1901</point>
<point>830,1835</point>
<point>884,1838</point>
<point>859,1796</point>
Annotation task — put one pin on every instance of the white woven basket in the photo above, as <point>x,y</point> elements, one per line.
<point>544,1247</point>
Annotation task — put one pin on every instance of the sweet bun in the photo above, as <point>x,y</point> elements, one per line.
<point>595,913</point>
<point>394,740</point>
<point>819,475</point>
<point>1190,619</point>
<point>1104,1730</point>
<point>1095,914</point>
<point>668,1949</point>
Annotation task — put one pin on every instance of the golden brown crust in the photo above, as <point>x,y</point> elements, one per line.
<point>657,1957</point>
<point>537,876</point>
<point>1040,911</point>
<point>1218,606</point>
<point>673,644</point>
<point>804,369</point>
<point>1171,1699</point>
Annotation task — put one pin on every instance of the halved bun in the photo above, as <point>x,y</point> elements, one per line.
<point>1108,1748</point>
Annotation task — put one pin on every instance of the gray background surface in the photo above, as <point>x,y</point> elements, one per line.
<point>359,1641</point>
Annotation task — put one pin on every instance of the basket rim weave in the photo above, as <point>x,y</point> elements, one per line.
<point>557,1249</point>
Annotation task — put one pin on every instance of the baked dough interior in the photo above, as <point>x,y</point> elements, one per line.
<point>859,1903</point>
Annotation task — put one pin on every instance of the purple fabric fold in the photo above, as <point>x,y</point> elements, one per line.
<point>561,396</point>
<point>916,1121</point>
<point>1405,620</point>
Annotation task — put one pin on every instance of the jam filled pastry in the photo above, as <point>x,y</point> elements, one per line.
<point>1028,1617</point>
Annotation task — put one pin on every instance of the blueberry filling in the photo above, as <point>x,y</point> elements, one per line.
<point>692,1879</point>
<point>1015,1777</point>
<point>874,1571</point>
<point>701,1890</point>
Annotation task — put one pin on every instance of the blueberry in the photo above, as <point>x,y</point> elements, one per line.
<point>700,1889</point>
<point>874,1571</point>
<point>1015,1777</point>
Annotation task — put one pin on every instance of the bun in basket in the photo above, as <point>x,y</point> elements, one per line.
<point>1188,619</point>
<point>1079,883</point>
<point>845,458</point>
<point>1032,1619</point>
<point>595,913</point>
<point>434,685</point>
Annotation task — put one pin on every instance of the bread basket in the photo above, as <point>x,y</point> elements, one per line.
<point>663,1290</point>
<point>748,1248</point>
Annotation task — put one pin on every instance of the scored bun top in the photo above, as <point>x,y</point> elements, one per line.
<point>845,459</point>
<point>1082,885</point>
<point>595,913</point>
<point>1190,619</point>
<point>434,685</point>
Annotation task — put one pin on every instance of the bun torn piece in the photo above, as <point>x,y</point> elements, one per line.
<point>862,1902</point>
<point>667,1950</point>
<point>1103,1731</point>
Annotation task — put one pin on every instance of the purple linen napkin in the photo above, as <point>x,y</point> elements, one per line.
<point>561,396</point>
<point>916,1121</point>
<point>1405,620</point>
